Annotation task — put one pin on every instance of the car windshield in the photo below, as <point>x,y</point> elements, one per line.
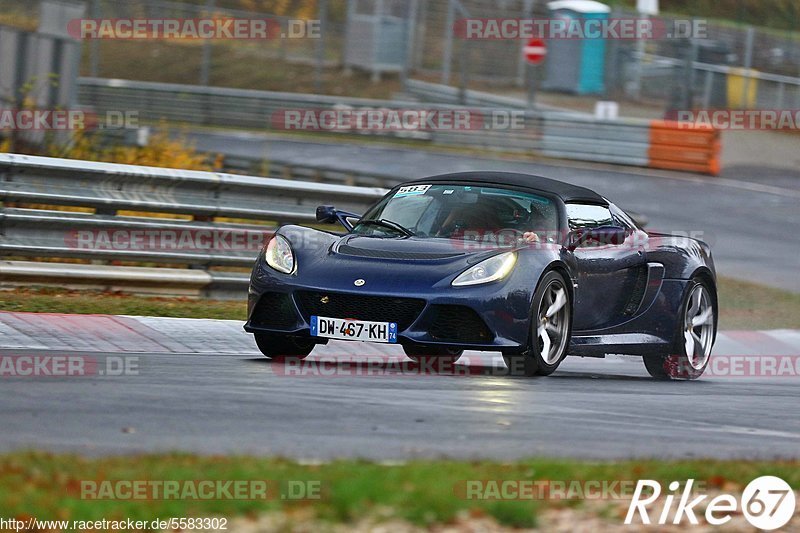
<point>458,212</point>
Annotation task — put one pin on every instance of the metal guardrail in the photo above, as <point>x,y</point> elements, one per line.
<point>201,244</point>
<point>447,94</point>
<point>621,140</point>
<point>215,106</point>
<point>43,233</point>
<point>109,187</point>
<point>314,173</point>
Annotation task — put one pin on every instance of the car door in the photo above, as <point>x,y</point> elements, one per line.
<point>609,276</point>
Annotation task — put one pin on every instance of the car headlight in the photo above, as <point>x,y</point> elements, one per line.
<point>279,255</point>
<point>491,269</point>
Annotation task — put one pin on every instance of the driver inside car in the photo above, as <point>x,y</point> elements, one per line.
<point>477,219</point>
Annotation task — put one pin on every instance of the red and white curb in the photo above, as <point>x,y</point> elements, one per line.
<point>133,334</point>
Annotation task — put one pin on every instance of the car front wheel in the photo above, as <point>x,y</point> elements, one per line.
<point>279,347</point>
<point>697,329</point>
<point>551,326</point>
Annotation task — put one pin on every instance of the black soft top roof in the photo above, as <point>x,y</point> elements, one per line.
<point>565,191</point>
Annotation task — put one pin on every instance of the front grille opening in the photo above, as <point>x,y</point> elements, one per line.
<point>274,310</point>
<point>403,311</point>
<point>457,323</point>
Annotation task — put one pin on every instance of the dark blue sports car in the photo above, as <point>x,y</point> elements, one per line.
<point>528,266</point>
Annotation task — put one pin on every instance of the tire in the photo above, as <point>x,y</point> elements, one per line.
<point>550,320</point>
<point>433,354</point>
<point>698,319</point>
<point>279,347</point>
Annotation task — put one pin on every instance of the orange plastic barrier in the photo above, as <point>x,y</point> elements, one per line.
<point>686,147</point>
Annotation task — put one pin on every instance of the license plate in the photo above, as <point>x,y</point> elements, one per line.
<point>353,330</point>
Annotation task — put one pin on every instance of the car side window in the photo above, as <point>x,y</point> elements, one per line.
<point>587,216</point>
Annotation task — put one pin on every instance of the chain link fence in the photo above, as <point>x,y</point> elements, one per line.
<point>205,61</point>
<point>731,66</point>
<point>734,66</point>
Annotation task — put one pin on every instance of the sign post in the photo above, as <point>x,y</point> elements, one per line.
<point>535,52</point>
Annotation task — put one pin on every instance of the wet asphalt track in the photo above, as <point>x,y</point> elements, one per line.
<point>364,403</point>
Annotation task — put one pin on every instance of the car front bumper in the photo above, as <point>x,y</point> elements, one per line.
<point>480,318</point>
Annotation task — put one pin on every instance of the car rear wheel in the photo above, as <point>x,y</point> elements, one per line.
<point>694,338</point>
<point>433,354</point>
<point>279,347</point>
<point>551,327</point>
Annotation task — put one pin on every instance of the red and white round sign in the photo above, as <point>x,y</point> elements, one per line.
<point>535,51</point>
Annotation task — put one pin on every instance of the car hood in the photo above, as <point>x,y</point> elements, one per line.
<point>336,261</point>
<point>407,249</point>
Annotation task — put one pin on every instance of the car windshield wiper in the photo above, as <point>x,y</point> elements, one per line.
<point>387,224</point>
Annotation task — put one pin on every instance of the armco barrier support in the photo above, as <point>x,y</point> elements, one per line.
<point>692,148</point>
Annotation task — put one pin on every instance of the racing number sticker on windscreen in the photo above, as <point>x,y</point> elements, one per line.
<point>412,190</point>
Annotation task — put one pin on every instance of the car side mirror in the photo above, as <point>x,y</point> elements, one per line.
<point>601,236</point>
<point>327,214</point>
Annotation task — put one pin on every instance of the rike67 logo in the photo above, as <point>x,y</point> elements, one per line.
<point>767,503</point>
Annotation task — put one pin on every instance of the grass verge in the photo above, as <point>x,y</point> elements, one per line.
<point>743,305</point>
<point>55,300</point>
<point>49,487</point>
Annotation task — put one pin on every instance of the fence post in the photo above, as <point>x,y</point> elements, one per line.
<point>641,48</point>
<point>94,45</point>
<point>448,42</point>
<point>527,10</point>
<point>464,78</point>
<point>410,34</point>
<point>707,89</point>
<point>322,13</point>
<point>689,75</point>
<point>781,90</point>
<point>421,34</point>
<point>205,65</point>
<point>748,63</point>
